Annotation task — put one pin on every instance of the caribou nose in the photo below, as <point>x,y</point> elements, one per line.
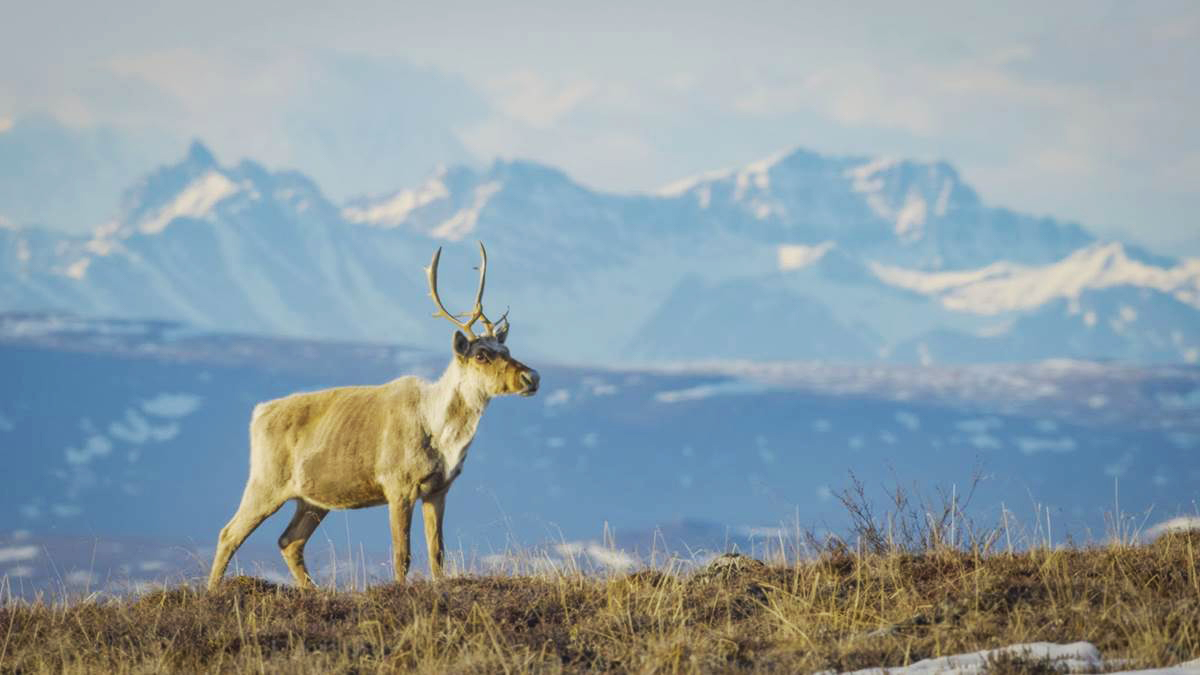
<point>530,379</point>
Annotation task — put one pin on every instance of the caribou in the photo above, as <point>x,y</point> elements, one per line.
<point>361,446</point>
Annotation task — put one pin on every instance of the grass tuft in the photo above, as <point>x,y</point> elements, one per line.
<point>843,610</point>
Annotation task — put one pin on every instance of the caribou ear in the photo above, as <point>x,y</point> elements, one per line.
<point>502,333</point>
<point>461,343</point>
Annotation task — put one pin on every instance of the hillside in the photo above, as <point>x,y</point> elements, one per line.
<point>1134,606</point>
<point>101,419</point>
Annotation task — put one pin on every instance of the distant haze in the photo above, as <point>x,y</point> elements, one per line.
<point>1081,110</point>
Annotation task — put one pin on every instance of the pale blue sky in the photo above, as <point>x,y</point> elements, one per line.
<point>1081,110</point>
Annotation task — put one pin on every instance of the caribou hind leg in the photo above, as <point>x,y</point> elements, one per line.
<point>257,505</point>
<point>292,541</point>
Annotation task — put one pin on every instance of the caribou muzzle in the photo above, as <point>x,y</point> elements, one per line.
<point>530,379</point>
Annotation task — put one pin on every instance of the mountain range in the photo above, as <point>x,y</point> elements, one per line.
<point>796,256</point>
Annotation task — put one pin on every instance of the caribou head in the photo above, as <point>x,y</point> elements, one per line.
<point>483,358</point>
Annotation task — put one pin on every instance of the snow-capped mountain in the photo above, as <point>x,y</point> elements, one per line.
<point>910,213</point>
<point>795,256</point>
<point>212,245</point>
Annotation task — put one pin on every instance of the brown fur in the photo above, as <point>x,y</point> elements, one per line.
<point>355,447</point>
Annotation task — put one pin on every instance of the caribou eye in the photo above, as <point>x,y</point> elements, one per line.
<point>483,357</point>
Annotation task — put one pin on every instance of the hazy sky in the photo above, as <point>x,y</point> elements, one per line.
<point>1081,110</point>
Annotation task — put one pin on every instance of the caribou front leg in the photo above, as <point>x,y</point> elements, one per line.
<point>433,507</point>
<point>400,512</point>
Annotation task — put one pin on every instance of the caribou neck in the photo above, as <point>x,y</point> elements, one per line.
<point>456,404</point>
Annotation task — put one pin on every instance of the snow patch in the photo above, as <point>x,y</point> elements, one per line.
<point>11,554</point>
<point>733,387</point>
<point>80,578</point>
<point>910,220</point>
<point>985,442</point>
<point>461,224</point>
<point>684,185</point>
<point>943,198</point>
<point>799,256</point>
<point>1074,657</point>
<point>136,429</point>
<point>77,270</point>
<point>172,405</point>
<point>1004,286</point>
<point>908,420</point>
<point>979,426</point>
<point>610,558</point>
<point>195,201</point>
<point>395,210</point>
<point>1030,446</point>
<point>1177,524</point>
<point>96,446</point>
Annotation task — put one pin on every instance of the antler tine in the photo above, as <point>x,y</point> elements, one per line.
<point>482,278</point>
<point>491,327</point>
<point>431,274</point>
<point>487,323</point>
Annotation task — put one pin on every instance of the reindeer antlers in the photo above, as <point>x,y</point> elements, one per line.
<point>477,312</point>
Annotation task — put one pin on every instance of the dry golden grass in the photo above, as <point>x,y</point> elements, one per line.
<point>840,611</point>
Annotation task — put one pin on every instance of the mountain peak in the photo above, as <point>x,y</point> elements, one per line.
<point>199,154</point>
<point>526,170</point>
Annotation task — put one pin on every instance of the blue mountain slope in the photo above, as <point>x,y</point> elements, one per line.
<point>120,431</point>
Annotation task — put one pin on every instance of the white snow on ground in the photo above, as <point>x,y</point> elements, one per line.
<point>137,429</point>
<point>10,554</point>
<point>395,210</point>
<point>610,558</point>
<point>1003,287</point>
<point>1180,401</point>
<point>1074,657</point>
<point>1077,657</point>
<point>80,578</point>
<point>172,405</point>
<point>1189,668</point>
<point>798,256</point>
<point>703,391</point>
<point>95,446</point>
<point>566,555</point>
<point>1177,524</point>
<point>1031,445</point>
<point>194,201</point>
<point>908,420</point>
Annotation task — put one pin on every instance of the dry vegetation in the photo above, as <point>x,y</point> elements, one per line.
<point>918,582</point>
<point>841,611</point>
